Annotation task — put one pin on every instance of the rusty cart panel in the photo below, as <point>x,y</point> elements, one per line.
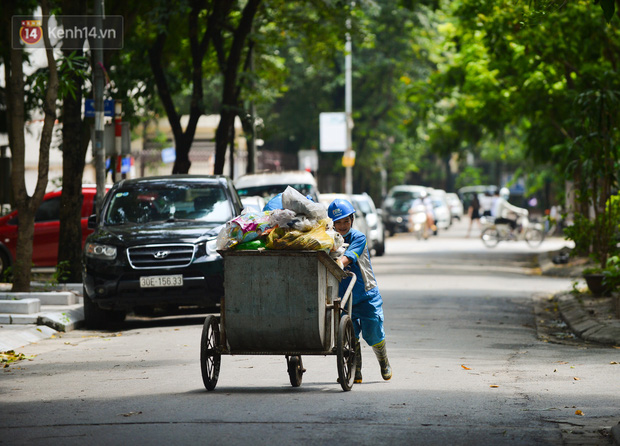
<point>277,301</point>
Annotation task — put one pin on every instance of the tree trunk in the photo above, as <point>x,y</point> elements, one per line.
<point>230,94</point>
<point>26,205</point>
<point>75,144</point>
<point>75,136</point>
<point>182,139</point>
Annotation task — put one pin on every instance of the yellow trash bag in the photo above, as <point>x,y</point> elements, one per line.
<point>317,239</point>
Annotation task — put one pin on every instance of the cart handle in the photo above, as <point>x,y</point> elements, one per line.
<point>347,293</point>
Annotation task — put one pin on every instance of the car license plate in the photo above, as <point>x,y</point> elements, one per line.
<point>161,281</point>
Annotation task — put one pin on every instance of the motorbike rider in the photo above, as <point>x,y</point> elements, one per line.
<point>503,211</point>
<point>367,308</point>
<point>430,214</point>
<point>418,207</point>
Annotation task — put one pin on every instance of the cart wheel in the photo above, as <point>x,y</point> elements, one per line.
<point>295,370</point>
<point>345,351</point>
<point>210,358</point>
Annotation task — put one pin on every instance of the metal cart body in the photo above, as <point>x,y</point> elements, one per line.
<point>281,302</point>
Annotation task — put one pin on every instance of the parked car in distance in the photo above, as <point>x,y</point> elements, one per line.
<point>396,207</point>
<point>46,229</point>
<point>359,222</point>
<point>443,217</point>
<point>269,184</point>
<point>456,206</point>
<point>154,246</point>
<point>374,221</point>
<point>253,202</point>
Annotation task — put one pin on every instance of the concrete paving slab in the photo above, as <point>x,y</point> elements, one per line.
<point>14,336</point>
<point>20,306</point>
<point>46,298</point>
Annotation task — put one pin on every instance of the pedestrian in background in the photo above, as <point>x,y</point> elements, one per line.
<point>367,309</point>
<point>474,214</point>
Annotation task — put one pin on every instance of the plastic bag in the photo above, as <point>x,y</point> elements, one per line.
<point>295,201</point>
<point>281,217</point>
<point>274,203</point>
<point>226,239</point>
<point>316,239</point>
<point>252,245</point>
<point>244,228</point>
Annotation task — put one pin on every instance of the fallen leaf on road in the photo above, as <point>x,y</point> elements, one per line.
<point>494,385</point>
<point>575,378</point>
<point>466,368</point>
<point>10,356</point>
<point>578,412</point>
<point>128,414</point>
<point>613,362</point>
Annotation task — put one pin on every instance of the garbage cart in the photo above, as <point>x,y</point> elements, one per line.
<point>279,302</point>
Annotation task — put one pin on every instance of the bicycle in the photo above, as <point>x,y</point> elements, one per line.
<point>532,233</point>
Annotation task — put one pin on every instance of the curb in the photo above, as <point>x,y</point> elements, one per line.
<point>15,336</point>
<point>585,326</point>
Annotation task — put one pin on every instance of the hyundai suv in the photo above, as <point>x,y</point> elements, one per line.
<point>154,246</point>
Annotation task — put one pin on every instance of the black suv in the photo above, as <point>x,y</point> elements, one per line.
<point>154,246</point>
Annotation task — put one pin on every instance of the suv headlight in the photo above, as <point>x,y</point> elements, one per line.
<point>98,251</point>
<point>212,247</point>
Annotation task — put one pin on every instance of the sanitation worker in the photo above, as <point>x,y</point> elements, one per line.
<point>367,302</point>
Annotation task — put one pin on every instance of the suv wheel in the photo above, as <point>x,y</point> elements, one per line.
<point>4,264</point>
<point>380,248</point>
<point>95,317</point>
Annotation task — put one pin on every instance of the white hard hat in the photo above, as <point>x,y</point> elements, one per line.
<point>504,192</point>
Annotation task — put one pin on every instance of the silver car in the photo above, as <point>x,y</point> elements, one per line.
<point>443,216</point>
<point>374,221</point>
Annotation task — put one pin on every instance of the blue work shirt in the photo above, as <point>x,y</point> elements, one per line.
<point>365,287</point>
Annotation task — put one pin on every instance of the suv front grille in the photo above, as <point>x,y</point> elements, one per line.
<point>161,256</point>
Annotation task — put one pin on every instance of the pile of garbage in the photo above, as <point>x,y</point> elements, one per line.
<point>301,224</point>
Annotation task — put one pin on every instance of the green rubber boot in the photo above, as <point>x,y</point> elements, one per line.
<point>381,354</point>
<point>358,366</point>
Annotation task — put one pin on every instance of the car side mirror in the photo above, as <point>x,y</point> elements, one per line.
<point>92,221</point>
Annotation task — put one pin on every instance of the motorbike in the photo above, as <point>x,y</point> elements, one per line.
<point>493,233</point>
<point>417,221</point>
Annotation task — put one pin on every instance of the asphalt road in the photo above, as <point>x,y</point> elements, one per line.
<point>469,368</point>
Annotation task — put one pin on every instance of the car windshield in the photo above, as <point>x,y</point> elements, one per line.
<point>364,206</point>
<point>402,206</point>
<point>271,190</point>
<point>148,204</point>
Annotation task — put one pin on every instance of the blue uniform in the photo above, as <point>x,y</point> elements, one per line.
<point>367,302</point>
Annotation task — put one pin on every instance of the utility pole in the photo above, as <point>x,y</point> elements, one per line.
<point>252,155</point>
<point>349,154</point>
<point>98,147</point>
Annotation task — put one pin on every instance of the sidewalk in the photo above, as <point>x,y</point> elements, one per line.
<point>30,317</point>
<point>591,318</point>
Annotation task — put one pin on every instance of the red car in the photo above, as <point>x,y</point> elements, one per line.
<point>46,230</point>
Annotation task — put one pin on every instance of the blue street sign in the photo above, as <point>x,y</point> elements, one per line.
<point>126,164</point>
<point>89,108</point>
<point>168,155</point>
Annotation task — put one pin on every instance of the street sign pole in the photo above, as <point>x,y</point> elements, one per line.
<point>98,148</point>
<point>348,105</point>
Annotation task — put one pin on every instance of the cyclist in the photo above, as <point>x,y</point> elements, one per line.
<point>503,210</point>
